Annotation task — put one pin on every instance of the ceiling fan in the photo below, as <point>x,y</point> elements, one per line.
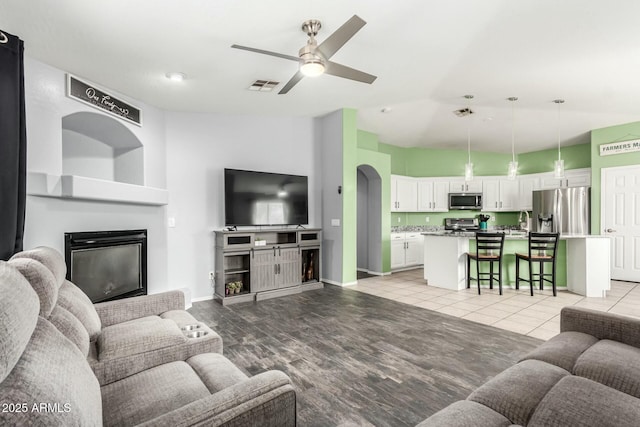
<point>314,58</point>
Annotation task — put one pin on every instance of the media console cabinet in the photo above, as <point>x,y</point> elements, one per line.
<point>262,264</point>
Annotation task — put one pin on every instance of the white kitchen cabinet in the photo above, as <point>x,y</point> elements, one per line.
<point>407,249</point>
<point>462,186</point>
<point>404,194</point>
<point>572,178</point>
<point>527,184</point>
<point>433,195</point>
<point>500,194</point>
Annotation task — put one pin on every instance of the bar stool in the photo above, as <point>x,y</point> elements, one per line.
<point>542,249</point>
<point>489,247</point>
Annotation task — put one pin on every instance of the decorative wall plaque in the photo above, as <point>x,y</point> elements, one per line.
<point>619,147</point>
<point>97,98</point>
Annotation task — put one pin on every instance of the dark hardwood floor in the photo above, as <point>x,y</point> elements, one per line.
<point>357,359</point>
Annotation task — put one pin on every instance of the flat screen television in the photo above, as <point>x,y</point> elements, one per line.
<point>263,198</point>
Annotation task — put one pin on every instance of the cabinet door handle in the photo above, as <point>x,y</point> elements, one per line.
<point>253,253</point>
<point>275,268</point>
<point>500,203</point>
<point>496,204</point>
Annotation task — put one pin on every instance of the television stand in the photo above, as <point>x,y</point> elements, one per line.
<point>253,265</point>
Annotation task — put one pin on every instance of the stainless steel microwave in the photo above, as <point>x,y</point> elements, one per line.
<point>465,201</point>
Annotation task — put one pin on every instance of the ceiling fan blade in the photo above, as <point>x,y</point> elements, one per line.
<point>266,52</point>
<point>342,35</point>
<point>291,83</point>
<point>340,70</point>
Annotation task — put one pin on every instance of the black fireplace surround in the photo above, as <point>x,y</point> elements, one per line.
<point>107,265</point>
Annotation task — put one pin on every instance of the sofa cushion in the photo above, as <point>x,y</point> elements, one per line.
<point>563,350</point>
<point>216,371</point>
<point>19,307</point>
<point>51,259</point>
<point>465,413</point>
<point>577,401</point>
<point>52,372</point>
<point>138,336</point>
<point>41,280</point>
<point>151,393</point>
<point>71,328</point>
<point>78,303</point>
<point>613,364</point>
<point>516,392</point>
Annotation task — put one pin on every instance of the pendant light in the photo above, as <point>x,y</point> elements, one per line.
<point>558,168</point>
<point>513,165</point>
<point>468,168</point>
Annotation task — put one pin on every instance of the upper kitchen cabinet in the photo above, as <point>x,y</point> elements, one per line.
<point>462,186</point>
<point>433,195</point>
<point>572,178</point>
<point>500,194</point>
<point>404,194</point>
<point>528,184</point>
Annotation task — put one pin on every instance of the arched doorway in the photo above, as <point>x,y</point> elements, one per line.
<point>369,220</point>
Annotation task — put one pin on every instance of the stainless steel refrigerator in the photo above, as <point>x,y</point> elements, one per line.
<point>562,210</point>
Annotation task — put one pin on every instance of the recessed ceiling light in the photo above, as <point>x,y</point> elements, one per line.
<point>176,77</point>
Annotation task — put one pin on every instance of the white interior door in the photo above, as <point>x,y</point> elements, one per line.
<point>620,219</point>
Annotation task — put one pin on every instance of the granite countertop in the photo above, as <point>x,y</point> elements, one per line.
<point>509,234</point>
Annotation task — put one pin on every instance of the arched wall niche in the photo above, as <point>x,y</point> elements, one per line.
<point>97,146</point>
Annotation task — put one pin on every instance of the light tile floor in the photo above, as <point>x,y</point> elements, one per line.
<point>537,316</point>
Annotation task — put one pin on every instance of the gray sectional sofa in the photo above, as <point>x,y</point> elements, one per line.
<point>588,375</point>
<point>139,361</point>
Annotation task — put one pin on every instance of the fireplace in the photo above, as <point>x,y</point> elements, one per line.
<point>107,265</point>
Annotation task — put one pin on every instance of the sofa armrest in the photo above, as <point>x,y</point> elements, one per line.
<point>118,311</point>
<point>267,399</point>
<point>601,325</point>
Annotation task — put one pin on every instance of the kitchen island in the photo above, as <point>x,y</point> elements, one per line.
<point>583,262</point>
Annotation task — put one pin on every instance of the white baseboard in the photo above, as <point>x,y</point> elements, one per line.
<point>207,298</point>
<point>331,282</point>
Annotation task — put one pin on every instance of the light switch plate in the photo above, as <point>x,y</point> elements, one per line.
<point>335,222</point>
<point>171,222</point>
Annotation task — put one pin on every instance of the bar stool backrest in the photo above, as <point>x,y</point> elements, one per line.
<point>489,243</point>
<point>543,244</point>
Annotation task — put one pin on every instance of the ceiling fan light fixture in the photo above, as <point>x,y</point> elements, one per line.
<point>312,67</point>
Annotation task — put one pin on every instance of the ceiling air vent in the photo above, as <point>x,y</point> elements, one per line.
<point>463,112</point>
<point>263,85</point>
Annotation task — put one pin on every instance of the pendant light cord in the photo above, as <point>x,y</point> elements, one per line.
<point>469,98</point>
<point>513,128</point>
<point>558,102</point>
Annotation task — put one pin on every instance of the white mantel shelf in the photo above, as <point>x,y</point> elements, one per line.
<point>84,188</point>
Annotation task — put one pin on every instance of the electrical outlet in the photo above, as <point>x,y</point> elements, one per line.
<point>399,220</point>
<point>427,219</point>
<point>493,218</point>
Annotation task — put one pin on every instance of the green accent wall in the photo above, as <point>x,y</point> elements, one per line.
<point>349,195</point>
<point>437,218</point>
<point>432,162</point>
<point>574,156</point>
<point>606,135</point>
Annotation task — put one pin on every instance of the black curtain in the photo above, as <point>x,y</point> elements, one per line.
<point>13,145</point>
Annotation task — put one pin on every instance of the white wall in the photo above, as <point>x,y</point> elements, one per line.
<point>329,137</point>
<point>199,147</point>
<point>48,218</point>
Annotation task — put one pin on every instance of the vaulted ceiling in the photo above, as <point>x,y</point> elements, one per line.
<point>427,56</point>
